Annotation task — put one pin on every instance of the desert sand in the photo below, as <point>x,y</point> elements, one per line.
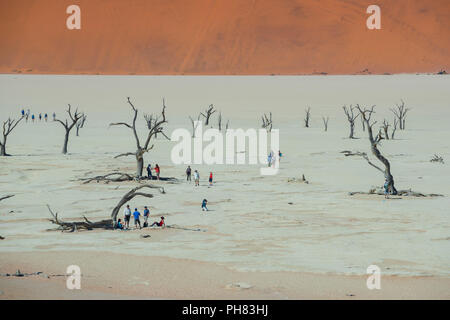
<point>224,37</point>
<point>277,239</point>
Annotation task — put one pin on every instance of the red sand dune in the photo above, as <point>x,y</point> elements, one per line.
<point>224,37</point>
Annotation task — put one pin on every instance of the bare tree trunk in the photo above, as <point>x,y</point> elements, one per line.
<point>139,165</point>
<point>219,121</point>
<point>68,127</point>
<point>266,122</point>
<point>352,129</point>
<point>394,129</point>
<point>8,126</point>
<point>66,141</point>
<point>154,124</point>
<point>325,123</point>
<point>351,117</point>
<point>3,150</point>
<point>400,114</point>
<point>307,116</point>
<point>208,113</point>
<point>386,129</point>
<point>366,114</point>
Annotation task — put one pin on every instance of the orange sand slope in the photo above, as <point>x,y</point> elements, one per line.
<point>224,37</point>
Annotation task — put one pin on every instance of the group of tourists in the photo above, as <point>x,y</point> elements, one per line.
<point>26,115</point>
<point>149,171</point>
<point>137,221</point>
<point>197,177</point>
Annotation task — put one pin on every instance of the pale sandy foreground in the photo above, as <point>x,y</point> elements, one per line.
<point>119,276</point>
<point>264,237</point>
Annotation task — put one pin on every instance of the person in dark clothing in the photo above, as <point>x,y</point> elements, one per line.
<point>188,173</point>
<point>204,203</point>
<point>149,171</point>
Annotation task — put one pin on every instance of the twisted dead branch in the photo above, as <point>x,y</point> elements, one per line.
<point>130,195</point>
<point>8,126</point>
<point>155,125</point>
<point>6,197</point>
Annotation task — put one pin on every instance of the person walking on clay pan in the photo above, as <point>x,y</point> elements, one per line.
<point>136,215</point>
<point>127,216</point>
<point>196,178</point>
<point>210,179</point>
<point>146,215</point>
<point>188,173</point>
<point>204,203</point>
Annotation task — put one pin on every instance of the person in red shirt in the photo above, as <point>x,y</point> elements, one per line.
<point>159,224</point>
<point>210,179</point>
<point>157,170</point>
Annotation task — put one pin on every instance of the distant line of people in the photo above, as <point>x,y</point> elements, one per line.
<point>26,115</point>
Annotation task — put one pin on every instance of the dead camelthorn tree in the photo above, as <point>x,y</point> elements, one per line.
<point>374,141</point>
<point>307,116</point>
<point>154,126</point>
<point>394,128</point>
<point>208,113</point>
<point>219,121</point>
<point>325,123</point>
<point>267,122</point>
<point>351,117</point>
<point>385,127</point>
<point>194,124</point>
<point>400,114</point>
<point>80,123</point>
<point>363,124</point>
<point>8,126</point>
<point>68,126</point>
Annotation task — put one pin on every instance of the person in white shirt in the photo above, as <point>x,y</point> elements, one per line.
<point>127,216</point>
<point>196,178</point>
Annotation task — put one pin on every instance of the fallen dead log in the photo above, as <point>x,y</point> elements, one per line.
<point>404,193</point>
<point>122,177</point>
<point>79,225</point>
<point>6,197</point>
<point>18,273</point>
<point>110,177</point>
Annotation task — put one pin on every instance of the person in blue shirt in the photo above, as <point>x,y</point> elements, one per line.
<point>23,112</point>
<point>136,215</point>
<point>204,202</point>
<point>146,215</point>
